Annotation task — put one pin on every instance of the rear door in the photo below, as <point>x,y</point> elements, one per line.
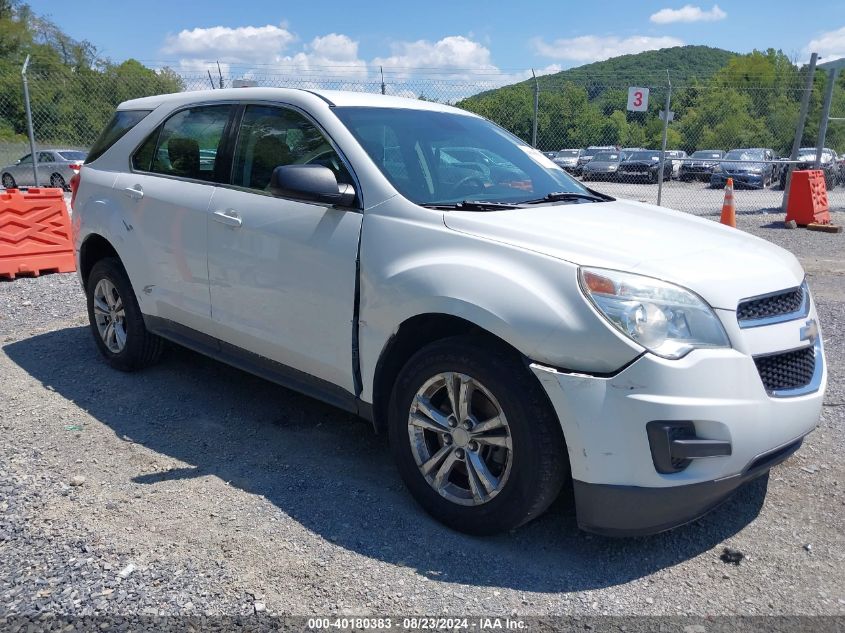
<point>165,198</point>
<point>283,272</point>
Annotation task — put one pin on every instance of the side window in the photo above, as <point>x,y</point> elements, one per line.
<point>271,137</point>
<point>45,157</point>
<point>186,145</point>
<point>26,160</point>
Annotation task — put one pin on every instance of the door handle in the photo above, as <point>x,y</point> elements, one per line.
<point>136,193</point>
<point>229,218</point>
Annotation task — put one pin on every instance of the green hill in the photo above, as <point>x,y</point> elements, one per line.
<point>720,99</point>
<point>684,63</point>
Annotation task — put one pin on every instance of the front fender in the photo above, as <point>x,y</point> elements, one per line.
<point>529,300</point>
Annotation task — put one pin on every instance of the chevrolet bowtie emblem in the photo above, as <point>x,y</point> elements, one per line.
<point>810,332</point>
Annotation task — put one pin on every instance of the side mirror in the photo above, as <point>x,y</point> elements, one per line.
<point>18,162</point>
<point>310,183</point>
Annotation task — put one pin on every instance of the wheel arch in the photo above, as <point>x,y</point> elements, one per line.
<point>93,249</point>
<point>411,336</point>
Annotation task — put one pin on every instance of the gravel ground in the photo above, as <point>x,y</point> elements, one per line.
<point>193,488</point>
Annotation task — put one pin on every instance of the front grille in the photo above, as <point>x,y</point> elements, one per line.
<point>779,304</point>
<point>791,370</point>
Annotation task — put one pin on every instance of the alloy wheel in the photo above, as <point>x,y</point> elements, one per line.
<point>110,316</point>
<point>460,439</point>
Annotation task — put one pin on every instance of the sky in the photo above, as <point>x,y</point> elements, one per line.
<point>465,38</point>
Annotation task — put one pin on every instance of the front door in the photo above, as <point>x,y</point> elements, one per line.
<point>282,273</point>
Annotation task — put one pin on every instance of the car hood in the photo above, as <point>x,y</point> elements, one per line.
<point>738,165</point>
<point>640,163</point>
<point>720,263</point>
<point>601,164</point>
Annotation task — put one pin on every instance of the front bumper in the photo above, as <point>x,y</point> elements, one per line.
<point>618,489</point>
<point>752,180</point>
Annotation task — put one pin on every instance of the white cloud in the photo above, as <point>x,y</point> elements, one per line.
<point>242,44</point>
<point>688,13</point>
<point>334,53</point>
<point>446,69</point>
<point>452,53</point>
<point>592,48</point>
<point>829,45</point>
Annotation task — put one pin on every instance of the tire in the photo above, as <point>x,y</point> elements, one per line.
<point>58,182</point>
<point>8,181</point>
<point>527,477</point>
<point>139,348</point>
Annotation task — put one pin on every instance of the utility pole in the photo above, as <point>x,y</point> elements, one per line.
<point>29,121</point>
<point>536,109</point>
<point>381,69</point>
<point>799,128</point>
<point>666,116</point>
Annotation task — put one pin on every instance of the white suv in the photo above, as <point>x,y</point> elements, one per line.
<point>509,328</point>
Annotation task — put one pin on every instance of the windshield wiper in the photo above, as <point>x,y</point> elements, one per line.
<point>562,196</point>
<point>472,205</point>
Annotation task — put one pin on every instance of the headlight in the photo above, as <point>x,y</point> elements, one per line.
<point>717,169</point>
<point>755,170</point>
<point>666,319</point>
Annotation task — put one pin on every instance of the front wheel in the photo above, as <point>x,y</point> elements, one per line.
<point>116,320</point>
<point>8,181</point>
<point>475,438</point>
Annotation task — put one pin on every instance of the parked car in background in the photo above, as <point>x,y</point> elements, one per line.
<point>644,166</point>
<point>751,167</point>
<point>550,155</point>
<point>677,156</point>
<point>567,159</point>
<point>490,165</point>
<point>627,151</point>
<point>603,166</point>
<point>55,169</point>
<point>701,165</point>
<point>509,342</point>
<point>830,165</point>
<point>587,155</point>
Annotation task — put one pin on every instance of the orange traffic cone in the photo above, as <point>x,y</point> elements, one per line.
<point>729,208</point>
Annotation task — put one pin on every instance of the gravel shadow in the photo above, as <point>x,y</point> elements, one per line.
<point>327,470</point>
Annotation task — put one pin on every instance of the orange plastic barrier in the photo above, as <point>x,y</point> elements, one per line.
<point>35,233</point>
<point>807,202</point>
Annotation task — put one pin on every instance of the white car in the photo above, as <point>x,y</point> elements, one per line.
<point>512,335</point>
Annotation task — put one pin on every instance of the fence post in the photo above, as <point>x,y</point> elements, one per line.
<point>799,129</point>
<point>665,134</point>
<point>29,121</point>
<point>536,109</point>
<point>828,97</point>
<point>383,88</point>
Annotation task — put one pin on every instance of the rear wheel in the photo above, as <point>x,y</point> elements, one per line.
<point>8,181</point>
<point>57,181</point>
<point>475,438</point>
<point>116,320</point>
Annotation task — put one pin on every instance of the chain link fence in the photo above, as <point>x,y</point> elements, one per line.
<point>742,127</point>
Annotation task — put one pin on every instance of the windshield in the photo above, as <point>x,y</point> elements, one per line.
<point>706,154</point>
<point>809,153</point>
<point>605,157</point>
<point>567,153</point>
<point>644,156</point>
<point>442,158</point>
<point>744,154</point>
<point>73,155</point>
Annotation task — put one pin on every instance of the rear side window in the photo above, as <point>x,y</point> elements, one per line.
<point>186,145</point>
<point>120,124</point>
